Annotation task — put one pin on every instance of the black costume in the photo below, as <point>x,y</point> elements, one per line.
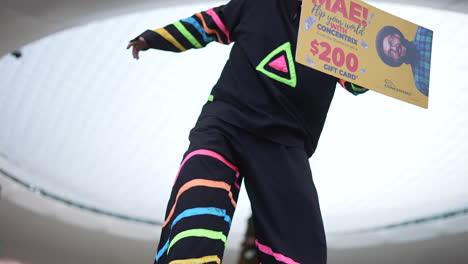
<point>262,123</point>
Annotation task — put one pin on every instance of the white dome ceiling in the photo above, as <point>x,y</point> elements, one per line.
<point>83,123</point>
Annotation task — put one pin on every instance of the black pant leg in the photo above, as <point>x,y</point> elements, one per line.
<point>287,218</point>
<point>202,203</point>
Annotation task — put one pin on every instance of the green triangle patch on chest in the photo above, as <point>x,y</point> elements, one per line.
<point>279,65</point>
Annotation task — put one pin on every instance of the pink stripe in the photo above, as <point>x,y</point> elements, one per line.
<point>212,154</point>
<point>220,23</point>
<point>277,256</point>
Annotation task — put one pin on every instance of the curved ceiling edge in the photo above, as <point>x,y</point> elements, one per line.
<point>24,22</point>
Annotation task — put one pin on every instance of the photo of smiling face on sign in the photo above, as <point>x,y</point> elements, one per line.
<point>394,50</point>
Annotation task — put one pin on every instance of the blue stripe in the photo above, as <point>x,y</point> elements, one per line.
<point>163,249</point>
<point>199,28</point>
<point>194,212</point>
<point>202,211</point>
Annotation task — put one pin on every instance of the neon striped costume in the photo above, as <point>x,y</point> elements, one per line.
<point>261,124</point>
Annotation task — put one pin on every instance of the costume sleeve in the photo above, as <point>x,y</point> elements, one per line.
<point>216,24</point>
<point>352,88</point>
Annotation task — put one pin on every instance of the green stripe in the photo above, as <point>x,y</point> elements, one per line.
<point>198,233</point>
<point>358,88</point>
<point>211,98</point>
<point>187,35</point>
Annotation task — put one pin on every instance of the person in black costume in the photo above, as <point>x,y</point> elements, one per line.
<point>261,124</point>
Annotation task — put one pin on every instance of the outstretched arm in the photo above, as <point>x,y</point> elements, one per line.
<point>216,24</point>
<point>352,88</point>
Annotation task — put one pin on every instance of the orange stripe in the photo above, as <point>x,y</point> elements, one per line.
<point>342,83</point>
<point>209,30</point>
<point>200,182</point>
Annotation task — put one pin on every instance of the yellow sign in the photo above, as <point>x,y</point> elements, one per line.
<point>357,42</point>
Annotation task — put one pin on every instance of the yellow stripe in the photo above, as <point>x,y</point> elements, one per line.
<point>165,34</point>
<point>206,259</point>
